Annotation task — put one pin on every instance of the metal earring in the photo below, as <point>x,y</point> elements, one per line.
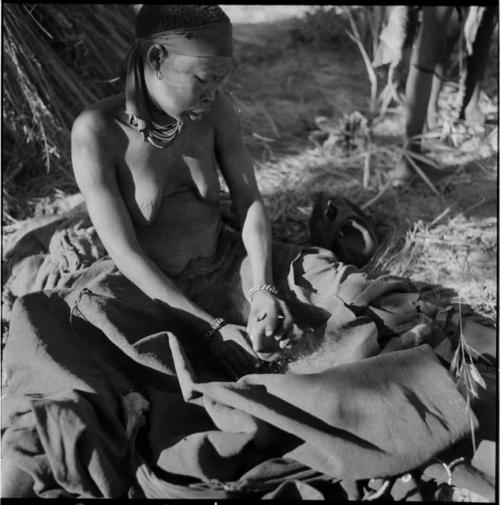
<point>158,74</point>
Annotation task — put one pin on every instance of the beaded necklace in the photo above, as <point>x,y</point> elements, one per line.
<point>156,134</point>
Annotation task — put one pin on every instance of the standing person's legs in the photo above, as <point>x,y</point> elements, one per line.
<point>437,84</point>
<point>476,66</point>
<point>428,49</point>
<point>454,29</point>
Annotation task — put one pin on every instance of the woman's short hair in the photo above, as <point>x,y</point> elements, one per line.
<point>153,19</point>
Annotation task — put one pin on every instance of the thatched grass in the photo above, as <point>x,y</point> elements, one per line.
<point>57,60</point>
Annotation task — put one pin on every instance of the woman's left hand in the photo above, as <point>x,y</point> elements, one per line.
<point>269,318</point>
<point>231,347</point>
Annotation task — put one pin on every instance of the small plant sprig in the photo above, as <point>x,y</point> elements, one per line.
<point>462,368</point>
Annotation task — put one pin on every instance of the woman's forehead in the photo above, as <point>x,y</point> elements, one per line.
<point>212,64</point>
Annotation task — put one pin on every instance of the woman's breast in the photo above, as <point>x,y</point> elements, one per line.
<point>186,227</point>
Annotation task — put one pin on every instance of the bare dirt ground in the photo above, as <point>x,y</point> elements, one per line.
<point>281,85</point>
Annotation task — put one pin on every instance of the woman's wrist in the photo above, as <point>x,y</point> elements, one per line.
<point>215,326</point>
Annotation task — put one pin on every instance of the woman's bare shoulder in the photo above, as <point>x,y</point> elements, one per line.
<point>97,141</point>
<point>98,121</point>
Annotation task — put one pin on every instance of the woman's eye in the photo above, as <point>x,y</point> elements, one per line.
<point>203,81</point>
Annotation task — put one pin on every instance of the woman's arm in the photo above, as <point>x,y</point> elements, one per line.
<point>92,141</point>
<point>237,168</point>
<point>95,173</point>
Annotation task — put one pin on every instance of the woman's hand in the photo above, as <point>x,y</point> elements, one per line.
<point>269,318</point>
<point>231,347</point>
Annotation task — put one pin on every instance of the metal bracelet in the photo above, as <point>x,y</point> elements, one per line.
<point>263,287</point>
<point>216,325</point>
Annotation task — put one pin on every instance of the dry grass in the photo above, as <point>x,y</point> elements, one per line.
<point>57,60</point>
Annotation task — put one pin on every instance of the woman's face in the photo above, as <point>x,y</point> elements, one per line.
<point>188,85</point>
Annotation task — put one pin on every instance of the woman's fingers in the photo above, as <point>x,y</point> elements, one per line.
<point>286,324</point>
<point>257,335</point>
<point>256,323</point>
<point>273,322</point>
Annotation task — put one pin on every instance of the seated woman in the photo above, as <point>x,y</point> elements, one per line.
<point>146,162</point>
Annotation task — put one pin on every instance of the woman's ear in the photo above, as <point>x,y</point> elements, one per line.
<point>156,55</point>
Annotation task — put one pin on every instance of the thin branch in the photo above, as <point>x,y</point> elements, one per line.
<point>422,175</point>
<point>384,188</point>
<point>372,76</point>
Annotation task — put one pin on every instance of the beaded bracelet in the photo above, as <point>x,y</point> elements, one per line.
<point>216,325</point>
<point>263,287</point>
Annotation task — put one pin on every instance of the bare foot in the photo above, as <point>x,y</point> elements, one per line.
<point>404,173</point>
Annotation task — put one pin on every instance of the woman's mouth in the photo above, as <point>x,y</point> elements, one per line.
<point>197,114</point>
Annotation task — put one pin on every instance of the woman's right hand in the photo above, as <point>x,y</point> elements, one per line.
<point>270,323</point>
<point>231,346</point>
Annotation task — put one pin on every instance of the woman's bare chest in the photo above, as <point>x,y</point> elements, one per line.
<point>148,175</point>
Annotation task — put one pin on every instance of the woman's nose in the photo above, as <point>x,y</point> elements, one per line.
<point>209,95</point>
